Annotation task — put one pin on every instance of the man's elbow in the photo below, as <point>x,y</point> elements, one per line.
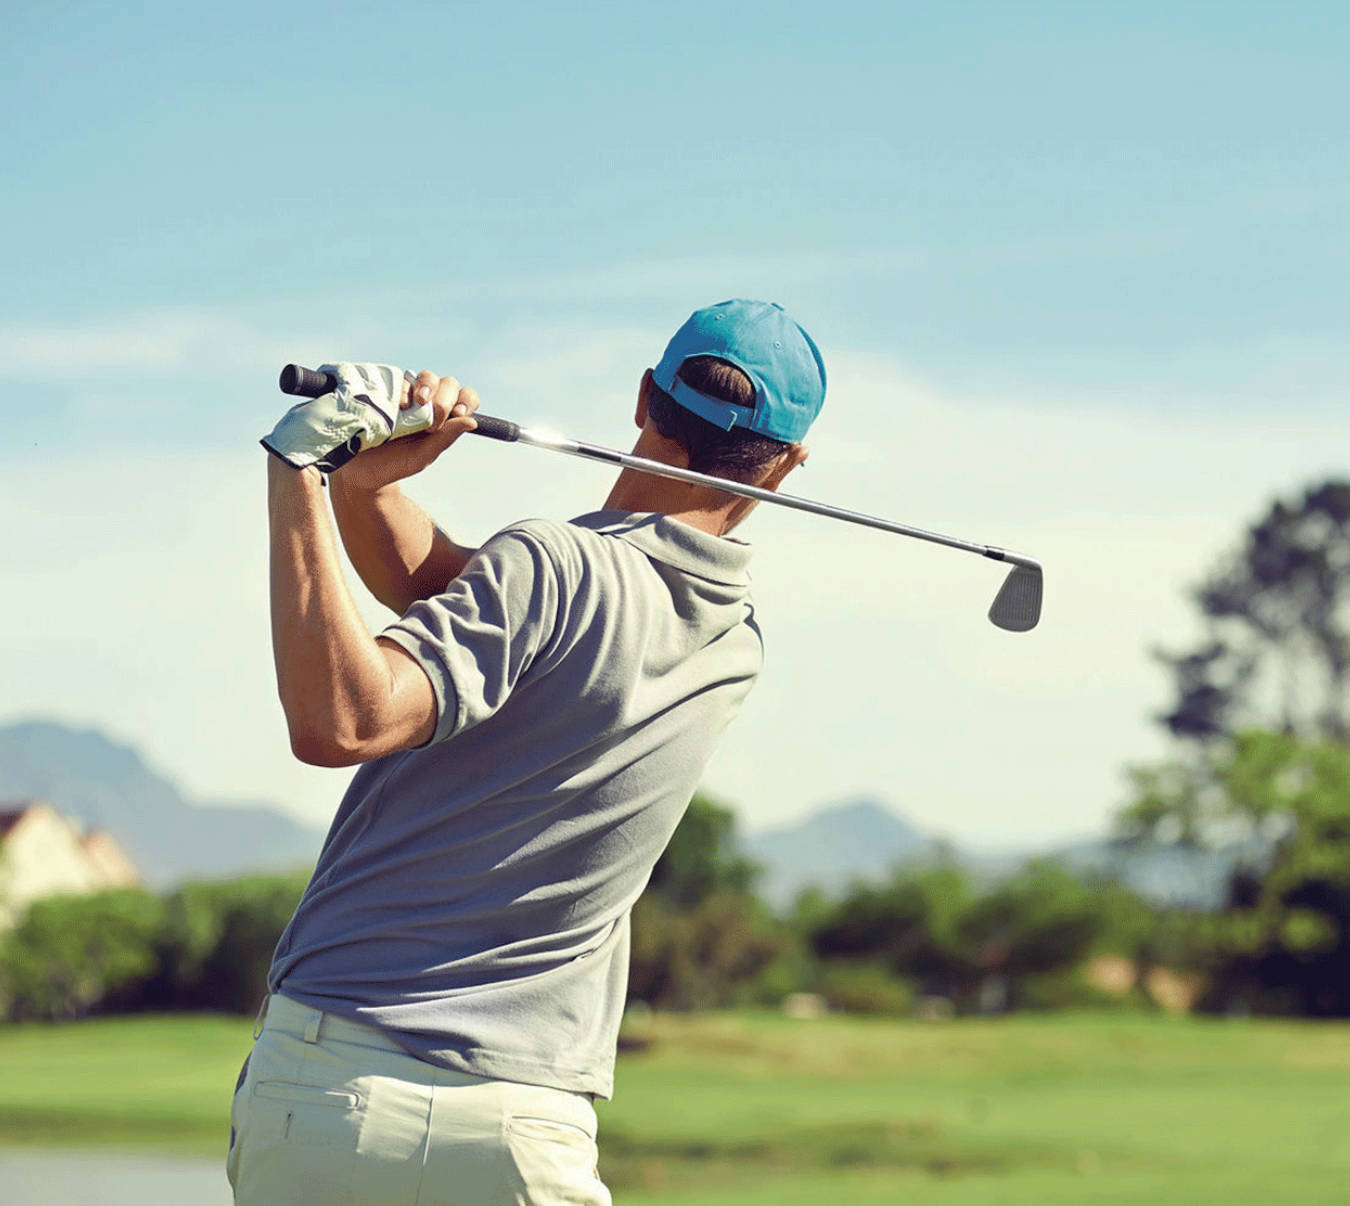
<point>322,745</point>
<point>348,732</point>
<point>317,752</point>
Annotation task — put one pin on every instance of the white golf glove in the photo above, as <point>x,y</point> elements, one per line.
<point>362,412</point>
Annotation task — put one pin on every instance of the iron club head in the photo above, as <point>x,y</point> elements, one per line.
<point>1017,606</point>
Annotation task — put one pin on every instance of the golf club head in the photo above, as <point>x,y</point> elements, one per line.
<point>1017,607</point>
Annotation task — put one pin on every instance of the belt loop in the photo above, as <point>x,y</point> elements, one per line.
<point>312,1027</point>
<point>262,1014</point>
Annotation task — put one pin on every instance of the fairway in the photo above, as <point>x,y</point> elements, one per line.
<point>757,1108</point>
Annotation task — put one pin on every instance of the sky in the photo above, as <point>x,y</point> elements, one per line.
<point>1078,273</point>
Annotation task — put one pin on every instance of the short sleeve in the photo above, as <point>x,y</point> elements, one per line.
<point>479,638</point>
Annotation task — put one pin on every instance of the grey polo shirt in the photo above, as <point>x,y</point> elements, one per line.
<point>472,896</point>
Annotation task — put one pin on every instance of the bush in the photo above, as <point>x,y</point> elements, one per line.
<point>218,939</point>
<point>792,969</point>
<point>1017,943</point>
<point>911,925</point>
<point>861,987</point>
<point>1069,989</point>
<point>702,957</point>
<point>206,946</point>
<point>71,955</point>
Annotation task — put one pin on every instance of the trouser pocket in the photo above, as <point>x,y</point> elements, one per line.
<point>308,1115</point>
<point>297,1143</point>
<point>555,1159</point>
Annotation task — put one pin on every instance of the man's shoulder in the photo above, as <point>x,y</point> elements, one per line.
<point>571,549</point>
<point>580,537</point>
<point>559,540</point>
<point>542,531</point>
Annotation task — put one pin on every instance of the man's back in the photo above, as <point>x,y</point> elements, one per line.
<point>472,896</point>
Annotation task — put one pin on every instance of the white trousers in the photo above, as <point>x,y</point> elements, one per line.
<point>331,1111</point>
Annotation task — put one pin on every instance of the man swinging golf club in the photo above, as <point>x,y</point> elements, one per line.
<point>445,1003</point>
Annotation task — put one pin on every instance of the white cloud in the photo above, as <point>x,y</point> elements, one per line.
<point>156,342</point>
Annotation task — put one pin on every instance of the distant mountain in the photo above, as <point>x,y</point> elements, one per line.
<point>104,784</point>
<point>862,839</point>
<point>855,839</point>
<point>170,838</point>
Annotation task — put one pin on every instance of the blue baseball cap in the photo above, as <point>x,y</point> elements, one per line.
<point>761,340</point>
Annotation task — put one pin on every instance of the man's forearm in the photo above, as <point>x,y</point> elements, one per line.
<point>334,680</point>
<point>394,546</point>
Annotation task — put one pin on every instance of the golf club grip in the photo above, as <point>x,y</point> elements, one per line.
<point>496,429</point>
<point>306,382</point>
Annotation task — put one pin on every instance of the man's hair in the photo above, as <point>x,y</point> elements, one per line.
<point>737,454</point>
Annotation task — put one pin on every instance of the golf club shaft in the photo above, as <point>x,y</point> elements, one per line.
<point>609,456</point>
<point>306,382</point>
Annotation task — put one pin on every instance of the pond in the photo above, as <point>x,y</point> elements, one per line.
<point>86,1178</point>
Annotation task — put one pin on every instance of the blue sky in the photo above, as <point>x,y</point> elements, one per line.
<point>1078,272</point>
<point>1077,178</point>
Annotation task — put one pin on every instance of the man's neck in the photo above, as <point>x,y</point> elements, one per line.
<point>701,507</point>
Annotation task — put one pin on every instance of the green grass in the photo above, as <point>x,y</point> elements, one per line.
<point>750,1108</point>
<point>161,1082</point>
<point>1081,1109</point>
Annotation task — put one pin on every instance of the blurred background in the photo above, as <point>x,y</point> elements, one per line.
<point>959,914</point>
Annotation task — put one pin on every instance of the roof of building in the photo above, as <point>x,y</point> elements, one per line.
<point>11,814</point>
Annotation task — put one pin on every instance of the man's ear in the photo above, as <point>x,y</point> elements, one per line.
<point>644,392</point>
<point>783,464</point>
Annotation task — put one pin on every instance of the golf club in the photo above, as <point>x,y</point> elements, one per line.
<point>1016,607</point>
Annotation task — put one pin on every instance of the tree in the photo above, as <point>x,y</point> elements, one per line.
<point>700,937</point>
<point>702,957</point>
<point>218,938</point>
<point>1264,704</point>
<point>1276,653</point>
<point>1042,921</point>
<point>984,951</point>
<point>1287,945</point>
<point>980,950</point>
<point>701,857</point>
<point>1282,943</point>
<point>911,925</point>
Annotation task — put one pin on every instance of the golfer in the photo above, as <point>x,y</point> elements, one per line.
<point>444,1005</point>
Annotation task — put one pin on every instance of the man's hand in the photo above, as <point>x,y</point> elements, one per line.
<point>398,552</point>
<point>450,408</point>
<point>369,406</point>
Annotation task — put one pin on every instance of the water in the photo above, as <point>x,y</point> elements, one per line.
<point>63,1178</point>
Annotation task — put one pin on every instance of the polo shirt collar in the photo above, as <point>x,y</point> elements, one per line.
<point>716,558</point>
